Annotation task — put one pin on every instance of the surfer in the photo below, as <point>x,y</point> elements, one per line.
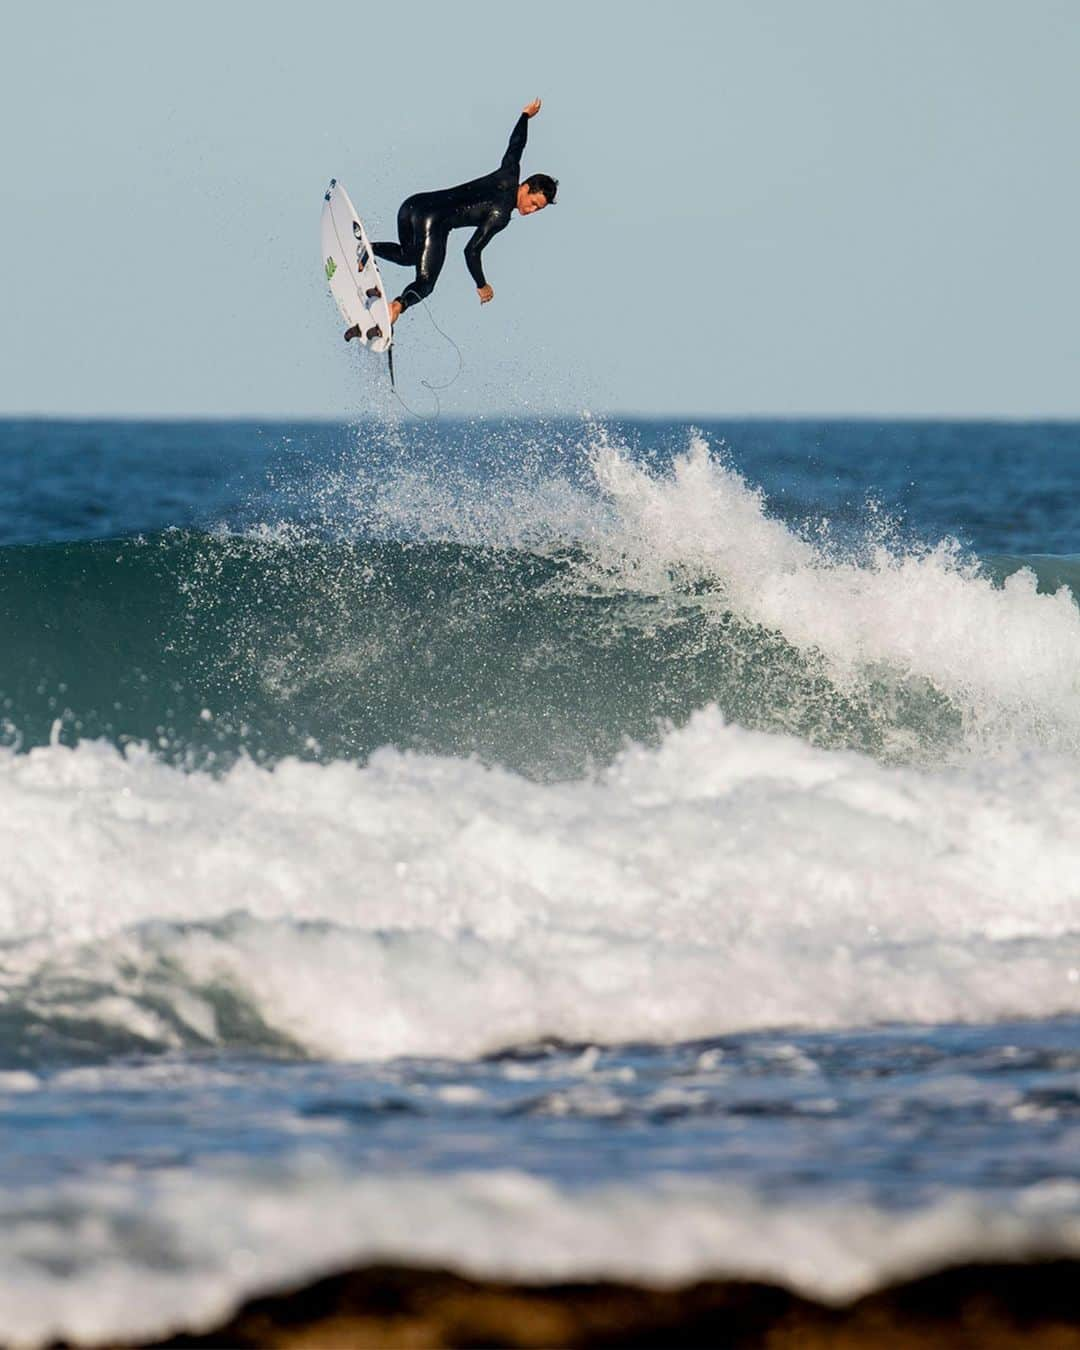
<point>426,219</point>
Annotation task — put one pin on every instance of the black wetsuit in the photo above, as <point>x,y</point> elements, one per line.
<point>425,220</point>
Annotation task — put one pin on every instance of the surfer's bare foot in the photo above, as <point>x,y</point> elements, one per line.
<point>395,311</point>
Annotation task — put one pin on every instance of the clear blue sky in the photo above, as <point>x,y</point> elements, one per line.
<point>767,206</point>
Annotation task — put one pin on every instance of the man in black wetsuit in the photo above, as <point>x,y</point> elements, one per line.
<point>426,219</point>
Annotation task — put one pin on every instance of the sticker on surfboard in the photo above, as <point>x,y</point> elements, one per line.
<point>348,264</point>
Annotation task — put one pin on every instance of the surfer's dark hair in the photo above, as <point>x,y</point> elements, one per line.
<point>542,182</point>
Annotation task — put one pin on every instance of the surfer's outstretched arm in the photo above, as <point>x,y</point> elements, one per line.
<point>511,161</point>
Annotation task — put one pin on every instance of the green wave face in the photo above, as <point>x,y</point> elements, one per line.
<point>206,647</point>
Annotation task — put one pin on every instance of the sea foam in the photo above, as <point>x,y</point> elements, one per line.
<point>1007,657</point>
<point>726,880</point>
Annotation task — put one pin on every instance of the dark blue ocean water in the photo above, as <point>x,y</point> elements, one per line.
<point>544,847</point>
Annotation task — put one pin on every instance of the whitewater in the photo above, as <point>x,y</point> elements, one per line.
<point>540,848</point>
<point>727,880</point>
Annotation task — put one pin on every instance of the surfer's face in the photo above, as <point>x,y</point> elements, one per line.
<point>528,202</point>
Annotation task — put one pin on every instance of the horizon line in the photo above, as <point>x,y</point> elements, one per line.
<point>346,419</point>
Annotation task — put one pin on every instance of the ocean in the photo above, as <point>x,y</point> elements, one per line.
<point>544,849</point>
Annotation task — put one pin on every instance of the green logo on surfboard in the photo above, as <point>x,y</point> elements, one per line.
<point>331,268</point>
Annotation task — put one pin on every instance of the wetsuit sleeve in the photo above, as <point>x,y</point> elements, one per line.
<point>520,134</point>
<point>476,245</point>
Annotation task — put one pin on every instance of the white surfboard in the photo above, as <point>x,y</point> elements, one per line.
<point>349,267</point>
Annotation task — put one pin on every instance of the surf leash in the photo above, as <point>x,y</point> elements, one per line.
<point>433,389</point>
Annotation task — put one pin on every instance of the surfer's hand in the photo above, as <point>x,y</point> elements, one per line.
<point>485,293</point>
<point>531,109</point>
<point>395,311</point>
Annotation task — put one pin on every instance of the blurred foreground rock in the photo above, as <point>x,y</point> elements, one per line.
<point>985,1307</point>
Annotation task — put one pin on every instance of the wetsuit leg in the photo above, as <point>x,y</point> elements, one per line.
<point>433,235</point>
<point>404,252</point>
<point>394,253</point>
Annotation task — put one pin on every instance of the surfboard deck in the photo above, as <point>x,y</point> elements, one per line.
<point>351,272</point>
